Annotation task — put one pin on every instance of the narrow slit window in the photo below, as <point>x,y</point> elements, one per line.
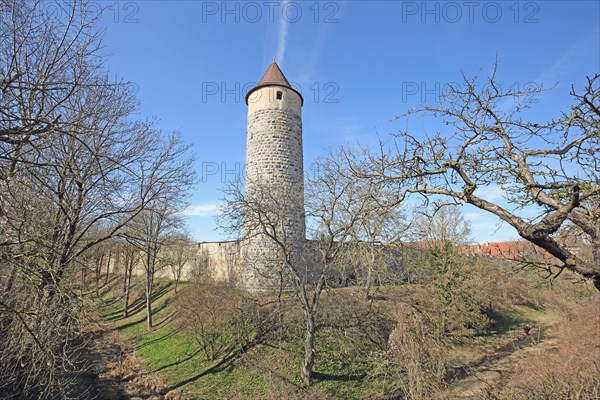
<point>279,95</point>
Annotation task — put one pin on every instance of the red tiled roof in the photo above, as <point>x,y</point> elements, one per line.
<point>515,250</point>
<point>273,77</point>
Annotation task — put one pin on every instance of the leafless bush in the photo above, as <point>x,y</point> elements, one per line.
<point>220,318</point>
<point>40,345</point>
<point>354,328</point>
<point>568,370</point>
<point>421,354</point>
<point>416,356</point>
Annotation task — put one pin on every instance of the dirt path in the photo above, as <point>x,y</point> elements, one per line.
<point>119,371</point>
<point>493,370</point>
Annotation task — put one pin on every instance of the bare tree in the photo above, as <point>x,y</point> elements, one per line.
<point>179,254</point>
<point>550,168</point>
<point>75,169</point>
<point>48,70</point>
<point>336,205</point>
<point>131,256</point>
<point>170,183</point>
<point>85,174</point>
<point>443,226</point>
<point>45,60</point>
<point>98,262</point>
<point>153,223</point>
<point>374,246</point>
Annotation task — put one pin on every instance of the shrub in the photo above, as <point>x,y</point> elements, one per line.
<point>220,317</point>
<point>41,345</point>
<point>569,369</point>
<point>418,352</point>
<point>353,329</point>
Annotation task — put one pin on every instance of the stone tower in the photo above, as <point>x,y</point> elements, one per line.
<point>274,180</point>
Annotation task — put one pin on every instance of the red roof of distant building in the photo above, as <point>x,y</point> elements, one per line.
<point>515,250</point>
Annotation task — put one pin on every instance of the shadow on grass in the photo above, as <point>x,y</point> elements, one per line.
<point>223,364</point>
<point>461,372</point>
<point>140,304</point>
<point>167,319</point>
<point>503,322</point>
<point>132,323</point>
<point>157,340</point>
<point>113,315</point>
<point>138,321</point>
<point>188,358</point>
<point>107,285</point>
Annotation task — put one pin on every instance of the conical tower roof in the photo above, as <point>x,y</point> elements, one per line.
<point>273,77</point>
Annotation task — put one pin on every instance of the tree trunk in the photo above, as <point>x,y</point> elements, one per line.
<point>83,278</point>
<point>150,259</point>
<point>443,322</point>
<point>98,271</point>
<point>126,265</point>
<point>149,302</point>
<point>108,267</point>
<point>368,284</point>
<point>11,278</point>
<point>370,274</point>
<point>127,286</point>
<point>309,349</point>
<point>126,306</point>
<point>596,258</point>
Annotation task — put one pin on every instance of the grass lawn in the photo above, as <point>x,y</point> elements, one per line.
<point>271,370</point>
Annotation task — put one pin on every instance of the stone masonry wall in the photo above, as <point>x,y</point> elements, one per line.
<point>219,261</point>
<point>275,178</point>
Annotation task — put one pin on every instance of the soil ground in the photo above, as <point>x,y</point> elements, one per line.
<point>492,370</point>
<point>120,374</point>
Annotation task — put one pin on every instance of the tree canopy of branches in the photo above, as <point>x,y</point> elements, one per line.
<point>443,226</point>
<point>337,207</point>
<point>485,139</point>
<point>181,252</point>
<point>75,169</point>
<point>152,229</point>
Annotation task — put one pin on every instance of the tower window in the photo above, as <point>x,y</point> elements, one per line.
<point>279,95</point>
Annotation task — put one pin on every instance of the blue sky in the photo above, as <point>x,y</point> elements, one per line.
<point>357,63</point>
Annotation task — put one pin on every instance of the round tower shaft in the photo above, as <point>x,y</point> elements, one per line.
<point>275,221</point>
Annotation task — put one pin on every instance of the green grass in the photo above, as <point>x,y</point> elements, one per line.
<point>177,359</point>
<point>342,372</point>
<point>172,354</point>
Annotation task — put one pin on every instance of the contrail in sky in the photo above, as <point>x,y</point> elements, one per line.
<point>283,31</point>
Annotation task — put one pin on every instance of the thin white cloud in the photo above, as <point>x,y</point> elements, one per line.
<point>491,193</point>
<point>486,227</point>
<point>472,216</point>
<point>312,58</point>
<point>554,72</point>
<point>283,32</point>
<point>201,210</point>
